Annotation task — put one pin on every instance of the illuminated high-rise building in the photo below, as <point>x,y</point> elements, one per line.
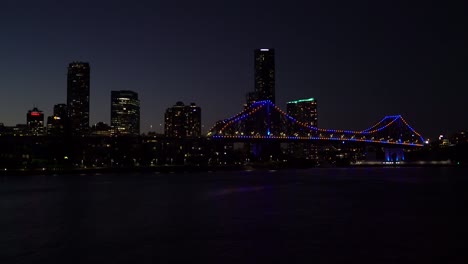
<point>183,121</point>
<point>78,85</point>
<point>304,111</point>
<point>125,113</point>
<point>264,75</point>
<point>35,122</point>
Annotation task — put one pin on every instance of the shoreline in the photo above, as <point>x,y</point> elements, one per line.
<point>195,169</point>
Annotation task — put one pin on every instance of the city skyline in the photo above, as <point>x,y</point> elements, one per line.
<point>82,77</point>
<point>362,61</point>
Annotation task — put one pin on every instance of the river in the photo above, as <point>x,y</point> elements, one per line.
<point>359,215</point>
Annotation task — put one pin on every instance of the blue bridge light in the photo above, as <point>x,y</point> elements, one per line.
<point>391,130</point>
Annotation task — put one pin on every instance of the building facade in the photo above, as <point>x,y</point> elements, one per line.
<point>304,111</point>
<point>125,113</point>
<point>182,121</point>
<point>264,75</point>
<point>57,123</point>
<point>78,86</point>
<point>35,122</point>
<point>101,129</point>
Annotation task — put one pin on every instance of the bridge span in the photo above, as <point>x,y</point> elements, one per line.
<point>264,121</point>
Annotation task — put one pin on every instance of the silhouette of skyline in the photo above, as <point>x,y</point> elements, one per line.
<point>361,60</point>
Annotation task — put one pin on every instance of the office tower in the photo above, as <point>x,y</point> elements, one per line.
<point>264,71</point>
<point>304,110</point>
<point>78,97</point>
<point>194,120</point>
<point>35,122</point>
<point>264,75</point>
<point>57,123</point>
<point>125,113</point>
<point>183,121</point>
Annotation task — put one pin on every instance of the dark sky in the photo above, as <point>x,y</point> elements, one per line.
<point>360,60</point>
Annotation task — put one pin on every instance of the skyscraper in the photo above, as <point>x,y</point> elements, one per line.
<point>35,122</point>
<point>264,71</point>
<point>183,121</point>
<point>78,97</point>
<point>264,74</point>
<point>304,111</point>
<point>125,113</point>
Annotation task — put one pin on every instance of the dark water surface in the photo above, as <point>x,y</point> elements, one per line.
<point>375,215</point>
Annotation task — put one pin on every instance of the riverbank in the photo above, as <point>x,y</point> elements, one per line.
<point>195,169</point>
<point>118,170</point>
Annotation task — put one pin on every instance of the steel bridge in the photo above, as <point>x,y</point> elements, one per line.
<point>263,120</point>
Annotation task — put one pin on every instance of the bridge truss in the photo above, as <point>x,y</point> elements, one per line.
<point>264,120</point>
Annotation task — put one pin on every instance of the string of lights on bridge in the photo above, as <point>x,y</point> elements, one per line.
<point>256,106</point>
<point>319,138</point>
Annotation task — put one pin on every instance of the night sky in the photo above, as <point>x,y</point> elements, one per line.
<point>360,60</point>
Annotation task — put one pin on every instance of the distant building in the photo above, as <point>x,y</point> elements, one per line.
<point>460,137</point>
<point>264,75</point>
<point>250,98</point>
<point>20,130</point>
<point>101,129</point>
<point>78,86</point>
<point>264,72</point>
<point>57,123</point>
<point>304,110</point>
<point>183,121</point>
<point>35,122</point>
<point>61,110</point>
<point>125,113</point>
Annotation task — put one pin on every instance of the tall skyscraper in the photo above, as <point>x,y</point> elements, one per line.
<point>35,122</point>
<point>125,113</point>
<point>264,69</point>
<point>183,121</point>
<point>78,97</point>
<point>264,74</point>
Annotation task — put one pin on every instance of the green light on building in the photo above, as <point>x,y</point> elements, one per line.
<point>301,100</point>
